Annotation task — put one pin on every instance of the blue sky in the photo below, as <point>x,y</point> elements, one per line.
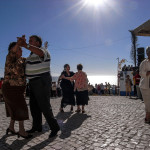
<point>76,32</point>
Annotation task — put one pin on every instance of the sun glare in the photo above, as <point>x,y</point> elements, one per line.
<point>95,3</point>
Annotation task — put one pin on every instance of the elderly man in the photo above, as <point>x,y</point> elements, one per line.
<point>38,73</point>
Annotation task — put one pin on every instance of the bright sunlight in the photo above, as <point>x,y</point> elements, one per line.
<point>95,3</point>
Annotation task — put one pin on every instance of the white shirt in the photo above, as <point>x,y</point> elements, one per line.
<point>144,81</point>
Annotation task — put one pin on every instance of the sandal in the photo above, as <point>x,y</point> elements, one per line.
<point>83,111</point>
<point>78,110</point>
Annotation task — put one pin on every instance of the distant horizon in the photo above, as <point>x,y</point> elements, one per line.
<point>97,79</point>
<point>94,79</point>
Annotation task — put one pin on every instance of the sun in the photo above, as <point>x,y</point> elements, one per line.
<point>95,3</point>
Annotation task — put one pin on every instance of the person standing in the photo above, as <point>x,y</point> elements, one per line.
<point>102,88</point>
<point>58,89</point>
<point>38,72</point>
<point>13,89</point>
<point>137,81</point>
<point>128,84</point>
<point>54,92</point>
<point>145,84</point>
<point>81,87</point>
<point>67,89</point>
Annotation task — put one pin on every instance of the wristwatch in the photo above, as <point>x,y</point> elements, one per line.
<point>28,46</point>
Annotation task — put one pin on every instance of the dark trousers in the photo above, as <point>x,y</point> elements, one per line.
<point>40,102</point>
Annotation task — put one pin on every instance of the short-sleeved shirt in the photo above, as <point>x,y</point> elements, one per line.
<point>36,66</point>
<point>14,70</point>
<point>66,83</point>
<point>81,81</point>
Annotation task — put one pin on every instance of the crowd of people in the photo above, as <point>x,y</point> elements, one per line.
<point>103,89</point>
<point>129,83</point>
<point>73,87</point>
<point>96,90</point>
<point>127,68</point>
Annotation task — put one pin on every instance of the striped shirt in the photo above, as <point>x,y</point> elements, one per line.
<point>36,66</point>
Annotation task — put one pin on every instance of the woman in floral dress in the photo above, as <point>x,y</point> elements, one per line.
<point>13,88</point>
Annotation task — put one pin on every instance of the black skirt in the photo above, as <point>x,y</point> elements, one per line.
<point>82,97</point>
<point>68,97</point>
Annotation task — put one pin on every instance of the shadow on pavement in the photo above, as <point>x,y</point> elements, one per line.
<point>68,122</point>
<point>43,144</point>
<point>15,145</point>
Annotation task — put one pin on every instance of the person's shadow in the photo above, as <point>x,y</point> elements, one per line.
<point>16,144</point>
<point>68,122</point>
<point>20,143</point>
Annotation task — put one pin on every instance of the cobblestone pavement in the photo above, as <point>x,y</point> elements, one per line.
<point>110,123</point>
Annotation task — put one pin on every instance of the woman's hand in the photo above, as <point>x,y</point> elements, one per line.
<point>62,77</point>
<point>21,41</point>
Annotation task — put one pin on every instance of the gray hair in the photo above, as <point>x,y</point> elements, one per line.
<point>148,50</point>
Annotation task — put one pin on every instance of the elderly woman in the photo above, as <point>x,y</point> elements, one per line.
<point>81,87</point>
<point>145,83</point>
<point>67,89</point>
<point>14,88</point>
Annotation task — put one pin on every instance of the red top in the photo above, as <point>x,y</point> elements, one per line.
<point>137,79</point>
<point>1,82</point>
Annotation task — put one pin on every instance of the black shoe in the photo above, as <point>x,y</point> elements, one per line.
<point>78,110</point>
<point>25,137</point>
<point>9,130</point>
<point>54,132</point>
<point>147,121</point>
<point>71,109</point>
<point>34,130</point>
<point>83,111</point>
<point>61,110</point>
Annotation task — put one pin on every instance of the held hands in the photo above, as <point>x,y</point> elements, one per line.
<point>21,41</point>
